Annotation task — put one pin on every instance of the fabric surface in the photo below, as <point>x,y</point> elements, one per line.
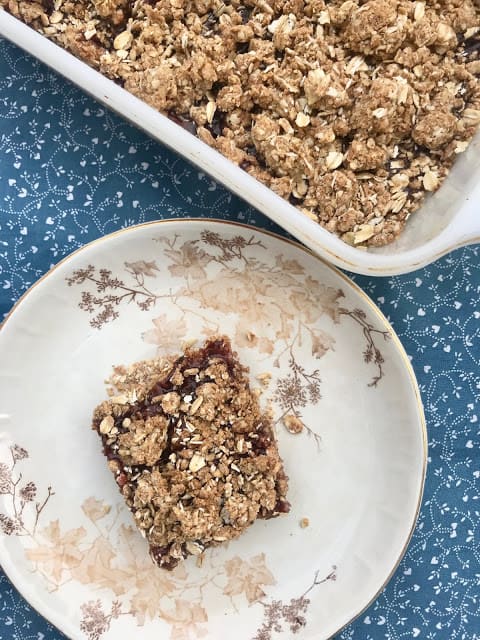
<point>71,171</point>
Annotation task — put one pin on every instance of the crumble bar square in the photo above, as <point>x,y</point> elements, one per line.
<point>192,453</point>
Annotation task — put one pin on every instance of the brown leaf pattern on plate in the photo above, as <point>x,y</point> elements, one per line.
<point>96,566</point>
<point>147,593</point>
<point>95,509</point>
<point>19,498</point>
<point>188,261</point>
<point>166,332</point>
<point>28,492</point>
<point>110,292</point>
<point>5,478</point>
<point>105,556</point>
<point>95,622</point>
<point>276,306</point>
<point>8,525</point>
<point>295,391</point>
<point>58,553</point>
<point>372,353</point>
<point>278,616</point>
<point>247,577</point>
<point>142,268</point>
<point>18,452</point>
<point>186,620</point>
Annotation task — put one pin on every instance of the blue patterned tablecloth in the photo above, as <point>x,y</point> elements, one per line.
<point>71,171</point>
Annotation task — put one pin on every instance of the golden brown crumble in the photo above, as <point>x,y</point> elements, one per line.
<point>352,110</point>
<point>293,423</point>
<point>195,458</point>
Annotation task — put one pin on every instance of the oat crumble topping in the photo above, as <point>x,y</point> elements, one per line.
<point>352,110</point>
<point>191,451</point>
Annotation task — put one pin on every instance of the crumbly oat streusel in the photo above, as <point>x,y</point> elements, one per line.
<point>353,110</point>
<point>192,453</point>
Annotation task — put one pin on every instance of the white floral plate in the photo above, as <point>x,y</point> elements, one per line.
<point>356,469</point>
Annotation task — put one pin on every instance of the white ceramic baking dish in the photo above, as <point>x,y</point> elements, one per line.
<point>449,219</point>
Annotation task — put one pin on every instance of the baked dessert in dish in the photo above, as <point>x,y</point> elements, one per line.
<point>191,451</point>
<point>353,110</point>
